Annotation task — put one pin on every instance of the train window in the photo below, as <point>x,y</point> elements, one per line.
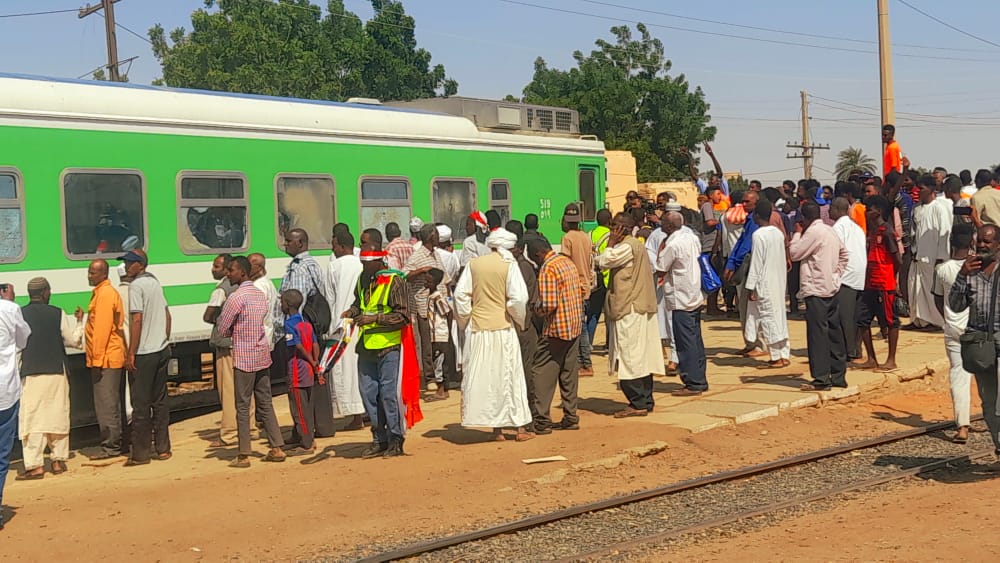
<point>307,202</point>
<point>383,201</point>
<point>452,201</point>
<point>588,193</point>
<point>103,211</point>
<point>500,199</point>
<point>11,217</point>
<point>212,212</point>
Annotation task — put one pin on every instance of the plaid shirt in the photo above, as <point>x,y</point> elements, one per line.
<point>303,274</point>
<point>242,318</point>
<point>560,300</point>
<point>399,251</point>
<point>422,258</point>
<point>974,293</point>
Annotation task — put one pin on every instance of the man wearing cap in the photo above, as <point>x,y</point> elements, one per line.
<point>424,259</point>
<point>380,313</point>
<point>105,351</point>
<point>342,280</point>
<point>44,414</point>
<point>398,250</point>
<point>146,361</point>
<point>492,298</point>
<point>223,348</point>
<point>14,333</point>
<point>476,227</point>
<point>577,247</point>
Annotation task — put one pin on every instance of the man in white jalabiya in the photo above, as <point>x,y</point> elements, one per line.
<point>631,307</point>
<point>342,286</point>
<point>932,220</point>
<point>491,297</point>
<point>767,282</point>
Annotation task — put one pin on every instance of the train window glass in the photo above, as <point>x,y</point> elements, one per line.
<point>500,199</point>
<point>11,218</point>
<point>306,202</point>
<point>212,212</point>
<point>104,213</point>
<point>588,193</point>
<point>452,201</point>
<point>384,201</point>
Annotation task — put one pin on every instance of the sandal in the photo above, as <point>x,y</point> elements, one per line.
<point>274,458</point>
<point>164,456</point>
<point>241,462</point>
<point>30,476</point>
<point>58,466</point>
<point>525,436</point>
<point>775,364</point>
<point>813,387</point>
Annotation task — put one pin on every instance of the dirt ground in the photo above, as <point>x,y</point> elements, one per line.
<point>927,521</point>
<point>193,507</point>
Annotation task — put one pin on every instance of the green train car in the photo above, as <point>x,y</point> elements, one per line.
<point>89,169</point>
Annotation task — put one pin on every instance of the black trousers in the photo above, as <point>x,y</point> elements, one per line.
<point>322,409</point>
<point>690,349</point>
<point>150,414</point>
<point>300,404</point>
<point>639,392</point>
<point>528,339</point>
<point>847,308</point>
<point>793,286</point>
<point>109,395</point>
<point>825,340</point>
<point>557,362</point>
<point>426,349</point>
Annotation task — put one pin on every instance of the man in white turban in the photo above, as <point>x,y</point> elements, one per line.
<point>491,298</point>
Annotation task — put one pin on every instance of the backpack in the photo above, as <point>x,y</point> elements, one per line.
<point>317,311</point>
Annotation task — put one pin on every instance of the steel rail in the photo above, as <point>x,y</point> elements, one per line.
<point>630,545</point>
<point>622,500</point>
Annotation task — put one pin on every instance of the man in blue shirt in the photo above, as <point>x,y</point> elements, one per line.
<point>717,179</point>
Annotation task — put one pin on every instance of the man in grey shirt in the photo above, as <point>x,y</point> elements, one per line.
<point>146,361</point>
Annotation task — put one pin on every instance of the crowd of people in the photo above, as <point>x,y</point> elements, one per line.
<point>392,320</point>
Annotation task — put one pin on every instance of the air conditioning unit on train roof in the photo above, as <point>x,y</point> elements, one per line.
<point>498,115</point>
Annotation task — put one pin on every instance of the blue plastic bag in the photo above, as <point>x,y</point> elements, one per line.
<point>709,279</point>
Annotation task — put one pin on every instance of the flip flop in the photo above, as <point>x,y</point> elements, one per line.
<point>274,458</point>
<point>811,387</point>
<point>29,476</point>
<point>887,370</point>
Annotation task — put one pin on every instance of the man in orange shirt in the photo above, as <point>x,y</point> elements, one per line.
<point>893,157</point>
<point>105,348</point>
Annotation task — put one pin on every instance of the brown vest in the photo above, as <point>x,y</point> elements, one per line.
<point>631,288</point>
<point>489,292</point>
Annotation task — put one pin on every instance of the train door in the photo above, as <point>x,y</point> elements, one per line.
<point>587,182</point>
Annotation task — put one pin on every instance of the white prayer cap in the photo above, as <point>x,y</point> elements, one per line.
<point>122,271</point>
<point>444,233</point>
<point>416,224</point>
<point>501,238</point>
<point>672,206</point>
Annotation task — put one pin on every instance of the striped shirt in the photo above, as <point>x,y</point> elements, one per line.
<point>303,274</point>
<point>398,252</point>
<point>242,318</point>
<point>560,299</point>
<point>422,258</point>
<point>974,293</point>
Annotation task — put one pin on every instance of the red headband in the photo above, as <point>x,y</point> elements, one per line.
<point>372,255</point>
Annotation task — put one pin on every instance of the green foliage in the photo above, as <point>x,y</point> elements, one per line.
<point>851,159</point>
<point>738,184</point>
<point>288,48</point>
<point>626,97</point>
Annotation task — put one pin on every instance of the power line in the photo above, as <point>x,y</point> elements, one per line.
<point>728,36</point>
<point>27,14</point>
<point>948,25</point>
<point>773,30</point>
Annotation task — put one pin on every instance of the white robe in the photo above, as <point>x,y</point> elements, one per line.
<point>471,248</point>
<point>663,320</point>
<point>45,397</point>
<point>342,282</point>
<point>932,229</point>
<point>635,337</point>
<point>767,276</point>
<point>494,393</point>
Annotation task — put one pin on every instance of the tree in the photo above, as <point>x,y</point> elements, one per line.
<point>288,48</point>
<point>626,97</point>
<point>852,159</point>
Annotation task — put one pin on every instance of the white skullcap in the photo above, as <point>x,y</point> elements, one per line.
<point>416,224</point>
<point>501,238</point>
<point>444,233</point>
<point>122,271</point>
<point>672,206</point>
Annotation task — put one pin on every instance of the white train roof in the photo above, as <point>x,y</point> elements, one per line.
<point>79,104</point>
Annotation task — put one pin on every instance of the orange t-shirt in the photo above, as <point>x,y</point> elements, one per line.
<point>857,213</point>
<point>722,206</point>
<point>892,160</point>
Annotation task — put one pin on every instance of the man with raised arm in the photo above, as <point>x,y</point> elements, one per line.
<point>717,179</point>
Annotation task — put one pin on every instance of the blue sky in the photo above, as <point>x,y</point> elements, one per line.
<point>489,47</point>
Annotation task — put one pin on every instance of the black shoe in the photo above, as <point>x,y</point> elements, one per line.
<point>542,430</point>
<point>374,450</point>
<point>566,425</point>
<point>395,449</point>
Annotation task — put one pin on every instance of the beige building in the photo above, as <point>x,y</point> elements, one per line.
<point>621,178</point>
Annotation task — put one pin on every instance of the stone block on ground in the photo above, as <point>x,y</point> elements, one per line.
<point>784,400</point>
<point>837,394</point>
<point>739,413</point>
<point>693,422</point>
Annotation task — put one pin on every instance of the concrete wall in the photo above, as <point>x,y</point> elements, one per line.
<point>686,192</point>
<point>621,178</point>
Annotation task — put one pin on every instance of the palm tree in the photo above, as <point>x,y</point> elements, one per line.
<point>851,159</point>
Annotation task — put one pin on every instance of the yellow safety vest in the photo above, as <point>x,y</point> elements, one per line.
<point>377,303</point>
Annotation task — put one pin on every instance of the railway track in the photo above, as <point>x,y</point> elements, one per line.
<point>612,527</point>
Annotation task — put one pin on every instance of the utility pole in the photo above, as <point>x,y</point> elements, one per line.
<point>885,65</point>
<point>109,30</point>
<point>807,148</point>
